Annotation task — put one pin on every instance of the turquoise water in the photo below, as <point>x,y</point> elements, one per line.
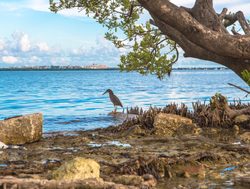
<point>72,100</point>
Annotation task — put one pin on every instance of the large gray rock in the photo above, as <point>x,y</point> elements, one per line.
<point>21,129</point>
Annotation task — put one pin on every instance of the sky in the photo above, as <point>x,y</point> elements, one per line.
<point>31,35</point>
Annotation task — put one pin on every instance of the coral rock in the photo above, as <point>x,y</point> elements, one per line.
<point>242,119</point>
<point>21,129</point>
<point>77,169</point>
<point>167,124</point>
<point>245,137</point>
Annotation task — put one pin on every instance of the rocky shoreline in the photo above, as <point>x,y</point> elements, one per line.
<point>155,149</point>
<point>210,158</point>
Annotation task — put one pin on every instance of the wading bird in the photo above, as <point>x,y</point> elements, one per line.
<point>114,99</point>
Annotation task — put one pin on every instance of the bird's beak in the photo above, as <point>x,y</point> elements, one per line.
<point>104,92</point>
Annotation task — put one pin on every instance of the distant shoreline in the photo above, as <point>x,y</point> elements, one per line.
<point>90,69</point>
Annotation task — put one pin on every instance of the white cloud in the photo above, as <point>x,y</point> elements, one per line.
<point>100,48</point>
<point>43,5</point>
<point>34,60</point>
<point>74,12</point>
<point>9,59</point>
<point>243,7</point>
<point>1,44</point>
<point>43,46</point>
<point>24,43</point>
<point>40,53</point>
<point>21,41</point>
<point>39,5</point>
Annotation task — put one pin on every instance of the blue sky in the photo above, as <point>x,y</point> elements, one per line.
<point>31,35</point>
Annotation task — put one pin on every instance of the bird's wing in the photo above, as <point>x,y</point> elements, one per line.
<point>116,101</point>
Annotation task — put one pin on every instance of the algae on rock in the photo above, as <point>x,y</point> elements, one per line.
<point>167,124</point>
<point>77,169</point>
<point>21,129</point>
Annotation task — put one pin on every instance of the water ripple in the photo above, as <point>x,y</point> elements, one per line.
<point>75,97</point>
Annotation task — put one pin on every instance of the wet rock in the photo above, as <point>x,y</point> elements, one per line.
<point>21,129</point>
<point>216,176</point>
<point>147,181</point>
<point>3,146</point>
<point>167,124</point>
<point>242,119</point>
<point>27,183</point>
<point>192,129</point>
<point>133,180</point>
<point>236,130</point>
<point>51,163</point>
<point>77,169</point>
<point>122,116</point>
<point>243,179</point>
<point>187,171</point>
<point>135,130</point>
<point>245,137</point>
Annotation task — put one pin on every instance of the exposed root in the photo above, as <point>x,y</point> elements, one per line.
<point>159,166</point>
<point>218,113</point>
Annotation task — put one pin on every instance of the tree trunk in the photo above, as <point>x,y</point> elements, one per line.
<point>201,32</point>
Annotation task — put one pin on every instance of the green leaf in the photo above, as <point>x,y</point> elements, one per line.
<point>147,48</point>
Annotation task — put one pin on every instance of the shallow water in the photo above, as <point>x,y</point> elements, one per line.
<point>72,100</point>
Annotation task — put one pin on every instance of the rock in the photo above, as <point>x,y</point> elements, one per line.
<point>27,183</point>
<point>187,171</point>
<point>21,129</point>
<point>3,146</point>
<point>242,119</point>
<point>122,116</point>
<point>133,180</point>
<point>145,181</point>
<point>216,176</point>
<point>135,130</point>
<point>245,137</point>
<point>188,129</point>
<point>77,169</point>
<point>236,130</point>
<point>167,124</point>
<point>243,180</point>
<point>51,163</point>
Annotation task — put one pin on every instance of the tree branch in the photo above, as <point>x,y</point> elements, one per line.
<point>240,88</point>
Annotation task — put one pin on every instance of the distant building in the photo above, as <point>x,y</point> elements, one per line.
<point>96,66</point>
<point>69,67</point>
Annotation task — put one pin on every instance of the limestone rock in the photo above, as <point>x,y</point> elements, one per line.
<point>133,180</point>
<point>21,129</point>
<point>145,181</point>
<point>167,124</point>
<point>184,129</point>
<point>191,171</point>
<point>245,137</point>
<point>243,180</point>
<point>3,146</point>
<point>134,130</point>
<point>242,119</point>
<point>77,169</point>
<point>27,183</point>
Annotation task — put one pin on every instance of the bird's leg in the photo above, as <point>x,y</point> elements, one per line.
<point>115,110</point>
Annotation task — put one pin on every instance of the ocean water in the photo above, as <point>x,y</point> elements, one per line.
<point>73,100</point>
